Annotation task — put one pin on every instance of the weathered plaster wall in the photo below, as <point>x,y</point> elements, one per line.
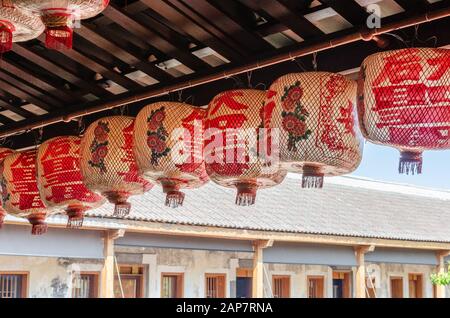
<point>193,263</point>
<point>399,270</point>
<point>196,263</point>
<point>48,277</point>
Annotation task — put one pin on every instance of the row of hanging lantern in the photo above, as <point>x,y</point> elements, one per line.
<point>23,20</point>
<point>247,139</point>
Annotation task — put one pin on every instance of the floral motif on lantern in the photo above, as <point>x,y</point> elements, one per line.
<point>99,146</point>
<point>157,135</point>
<point>294,115</point>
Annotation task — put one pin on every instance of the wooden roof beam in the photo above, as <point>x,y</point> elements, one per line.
<point>128,22</point>
<point>97,67</point>
<point>279,11</point>
<point>349,10</point>
<point>31,94</point>
<point>73,79</point>
<point>124,55</point>
<point>184,18</point>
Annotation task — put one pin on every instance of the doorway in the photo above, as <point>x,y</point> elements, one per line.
<point>396,287</point>
<point>243,283</point>
<point>341,284</point>
<point>130,282</point>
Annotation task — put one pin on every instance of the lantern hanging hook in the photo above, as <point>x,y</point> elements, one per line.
<point>314,61</point>
<point>38,133</point>
<point>81,126</point>
<point>180,96</point>
<point>249,79</point>
<point>123,110</point>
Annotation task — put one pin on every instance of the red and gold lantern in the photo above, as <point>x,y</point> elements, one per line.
<point>60,181</point>
<point>108,165</point>
<point>59,17</point>
<point>4,152</point>
<point>314,115</point>
<point>404,102</point>
<point>168,145</point>
<point>17,26</point>
<point>20,190</point>
<point>233,144</point>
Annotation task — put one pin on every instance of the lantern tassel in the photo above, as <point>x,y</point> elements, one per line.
<point>410,163</point>
<point>246,194</point>
<point>59,38</point>
<point>6,37</point>
<point>39,229</point>
<point>312,182</point>
<point>312,178</point>
<point>76,218</point>
<point>37,220</point>
<point>122,209</point>
<point>2,219</point>
<point>119,199</point>
<point>174,199</point>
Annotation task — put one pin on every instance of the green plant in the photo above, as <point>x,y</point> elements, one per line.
<point>441,279</point>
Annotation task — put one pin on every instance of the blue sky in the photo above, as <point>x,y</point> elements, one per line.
<point>381,163</point>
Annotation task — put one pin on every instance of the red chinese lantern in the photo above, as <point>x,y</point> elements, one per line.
<point>232,145</point>
<point>404,102</point>
<point>168,145</point>
<point>17,26</point>
<point>60,16</point>
<point>4,152</point>
<point>314,114</point>
<point>60,181</point>
<point>108,165</point>
<point>20,190</point>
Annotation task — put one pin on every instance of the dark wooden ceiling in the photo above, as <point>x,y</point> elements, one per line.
<point>138,45</point>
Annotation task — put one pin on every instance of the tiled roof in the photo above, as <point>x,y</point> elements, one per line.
<point>346,206</point>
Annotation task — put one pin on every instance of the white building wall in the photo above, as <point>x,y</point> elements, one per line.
<point>48,277</point>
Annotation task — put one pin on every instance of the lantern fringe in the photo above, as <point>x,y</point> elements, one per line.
<point>6,38</point>
<point>410,163</point>
<point>409,167</point>
<point>122,209</point>
<point>39,229</point>
<point>75,217</point>
<point>312,182</point>
<point>174,199</point>
<point>246,193</point>
<point>245,199</point>
<point>59,38</point>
